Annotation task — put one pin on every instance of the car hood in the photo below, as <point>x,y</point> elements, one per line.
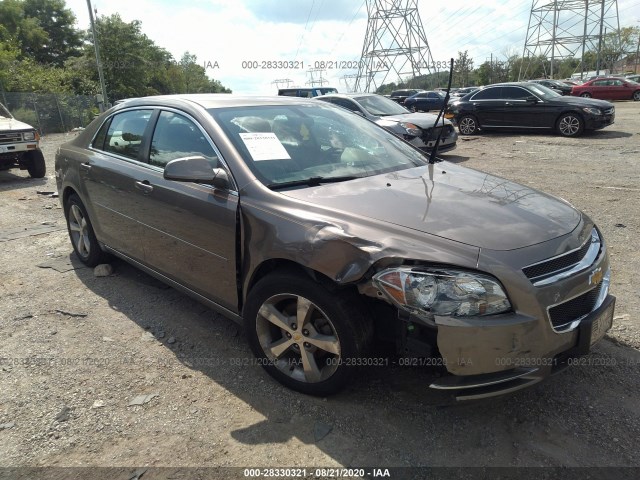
<point>584,102</point>
<point>423,120</point>
<point>452,202</point>
<point>13,124</point>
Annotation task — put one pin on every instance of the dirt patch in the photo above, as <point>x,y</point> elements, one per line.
<point>123,371</point>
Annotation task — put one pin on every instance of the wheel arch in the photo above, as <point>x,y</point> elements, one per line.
<point>283,265</point>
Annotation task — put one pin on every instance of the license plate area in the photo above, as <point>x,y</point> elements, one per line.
<point>601,324</point>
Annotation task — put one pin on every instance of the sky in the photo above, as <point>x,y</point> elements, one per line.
<point>229,38</point>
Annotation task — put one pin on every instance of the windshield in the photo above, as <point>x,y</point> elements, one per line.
<point>4,112</point>
<point>380,106</point>
<point>542,91</point>
<point>307,145</point>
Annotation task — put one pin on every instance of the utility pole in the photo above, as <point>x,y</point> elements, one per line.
<point>105,100</point>
<point>635,68</point>
<point>600,39</point>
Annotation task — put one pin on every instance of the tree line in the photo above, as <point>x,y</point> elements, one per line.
<point>42,51</point>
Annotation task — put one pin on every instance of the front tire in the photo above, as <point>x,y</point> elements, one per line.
<point>83,239</point>
<point>35,164</point>
<point>305,336</point>
<point>468,125</point>
<point>585,95</point>
<point>570,125</point>
<point>636,96</point>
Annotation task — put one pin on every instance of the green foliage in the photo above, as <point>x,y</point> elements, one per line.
<point>42,30</point>
<point>41,51</point>
<point>26,115</point>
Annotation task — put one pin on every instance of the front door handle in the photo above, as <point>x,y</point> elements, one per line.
<point>144,186</point>
<point>85,166</point>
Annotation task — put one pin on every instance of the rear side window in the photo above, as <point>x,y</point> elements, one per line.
<point>98,142</point>
<point>349,105</point>
<point>124,136</point>
<point>176,136</point>
<point>487,94</point>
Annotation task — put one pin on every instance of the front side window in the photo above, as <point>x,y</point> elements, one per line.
<point>175,136</point>
<point>515,93</point>
<point>124,136</point>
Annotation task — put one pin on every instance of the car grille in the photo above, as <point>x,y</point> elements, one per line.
<point>557,264</point>
<point>433,133</point>
<point>563,314</point>
<point>564,265</point>
<point>10,137</point>
<point>609,111</point>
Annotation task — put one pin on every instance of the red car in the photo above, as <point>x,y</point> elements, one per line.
<point>608,88</point>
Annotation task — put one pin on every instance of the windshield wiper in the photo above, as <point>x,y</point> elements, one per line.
<point>311,182</point>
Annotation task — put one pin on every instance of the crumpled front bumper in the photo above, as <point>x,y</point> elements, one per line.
<point>522,371</point>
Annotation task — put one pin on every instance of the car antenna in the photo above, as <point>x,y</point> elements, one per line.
<point>434,151</point>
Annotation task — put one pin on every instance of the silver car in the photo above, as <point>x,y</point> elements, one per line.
<point>419,129</point>
<point>329,237</point>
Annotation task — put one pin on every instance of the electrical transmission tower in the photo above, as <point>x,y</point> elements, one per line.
<point>316,81</point>
<point>560,29</point>
<point>395,45</point>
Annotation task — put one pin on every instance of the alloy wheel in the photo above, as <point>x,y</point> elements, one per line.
<point>298,338</point>
<point>569,125</point>
<point>79,231</point>
<point>467,126</point>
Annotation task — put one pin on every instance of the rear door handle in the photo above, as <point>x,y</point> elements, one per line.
<point>85,166</point>
<point>144,186</point>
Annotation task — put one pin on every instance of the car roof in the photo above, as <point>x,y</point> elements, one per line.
<point>350,95</point>
<point>214,100</point>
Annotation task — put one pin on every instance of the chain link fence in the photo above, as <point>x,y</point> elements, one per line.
<point>51,112</point>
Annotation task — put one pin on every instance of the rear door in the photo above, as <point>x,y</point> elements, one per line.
<point>489,107</point>
<point>189,229</point>
<point>109,180</point>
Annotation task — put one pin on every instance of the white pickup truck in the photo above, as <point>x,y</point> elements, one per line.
<point>20,146</point>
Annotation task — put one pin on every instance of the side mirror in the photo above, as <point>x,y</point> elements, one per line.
<point>532,99</point>
<point>358,112</point>
<point>197,170</point>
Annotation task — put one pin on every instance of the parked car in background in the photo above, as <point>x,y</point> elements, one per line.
<point>326,235</point>
<point>608,88</point>
<point>419,129</point>
<point>633,78</point>
<point>306,92</point>
<point>529,106</point>
<point>20,146</point>
<point>401,95</point>
<point>425,101</point>
<point>462,92</point>
<point>560,87</point>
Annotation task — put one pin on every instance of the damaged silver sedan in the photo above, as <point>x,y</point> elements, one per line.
<point>328,237</point>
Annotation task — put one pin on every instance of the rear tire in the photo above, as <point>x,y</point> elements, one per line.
<point>636,96</point>
<point>585,95</point>
<point>570,125</point>
<point>304,335</point>
<point>36,166</point>
<point>83,239</point>
<point>468,125</point>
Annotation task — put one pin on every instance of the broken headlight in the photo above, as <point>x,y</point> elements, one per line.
<point>442,292</point>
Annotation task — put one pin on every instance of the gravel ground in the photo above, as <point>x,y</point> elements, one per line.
<point>124,371</point>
